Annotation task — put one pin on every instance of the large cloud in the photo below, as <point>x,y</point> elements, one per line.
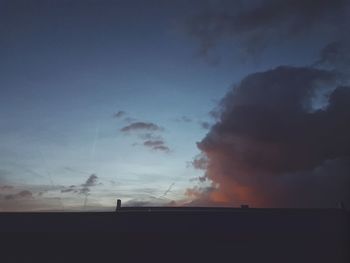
<point>256,24</point>
<point>276,144</point>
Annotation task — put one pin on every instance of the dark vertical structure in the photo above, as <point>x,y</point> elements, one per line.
<point>119,205</point>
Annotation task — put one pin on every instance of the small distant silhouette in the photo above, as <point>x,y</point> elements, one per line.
<point>119,205</point>
<point>245,206</point>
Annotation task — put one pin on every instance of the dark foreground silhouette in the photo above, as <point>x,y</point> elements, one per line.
<point>177,235</point>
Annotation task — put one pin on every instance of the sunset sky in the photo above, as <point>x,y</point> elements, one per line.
<point>173,102</point>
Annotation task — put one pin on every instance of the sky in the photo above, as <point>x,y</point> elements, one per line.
<point>173,103</point>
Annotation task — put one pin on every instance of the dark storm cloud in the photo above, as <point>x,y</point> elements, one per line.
<point>253,25</point>
<point>271,147</point>
<point>336,55</point>
<point>141,126</point>
<point>214,114</point>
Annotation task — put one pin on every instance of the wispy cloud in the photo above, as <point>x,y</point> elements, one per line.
<point>184,119</point>
<point>91,181</point>
<point>153,143</point>
<point>130,119</point>
<point>150,136</point>
<point>141,126</point>
<point>119,114</point>
<point>84,188</point>
<point>24,194</point>
<point>161,148</point>
<point>6,187</point>
<point>157,145</point>
<point>147,131</point>
<point>168,190</point>
<point>68,190</point>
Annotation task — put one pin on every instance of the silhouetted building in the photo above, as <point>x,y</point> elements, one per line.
<point>119,205</point>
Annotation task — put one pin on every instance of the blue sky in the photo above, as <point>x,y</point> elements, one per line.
<point>67,67</point>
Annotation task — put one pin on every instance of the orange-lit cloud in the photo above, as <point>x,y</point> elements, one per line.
<point>271,146</point>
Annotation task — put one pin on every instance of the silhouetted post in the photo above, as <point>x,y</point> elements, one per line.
<point>119,204</point>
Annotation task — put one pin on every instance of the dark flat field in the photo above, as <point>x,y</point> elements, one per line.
<point>177,234</point>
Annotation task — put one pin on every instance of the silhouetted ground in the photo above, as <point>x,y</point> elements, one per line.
<point>177,234</point>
